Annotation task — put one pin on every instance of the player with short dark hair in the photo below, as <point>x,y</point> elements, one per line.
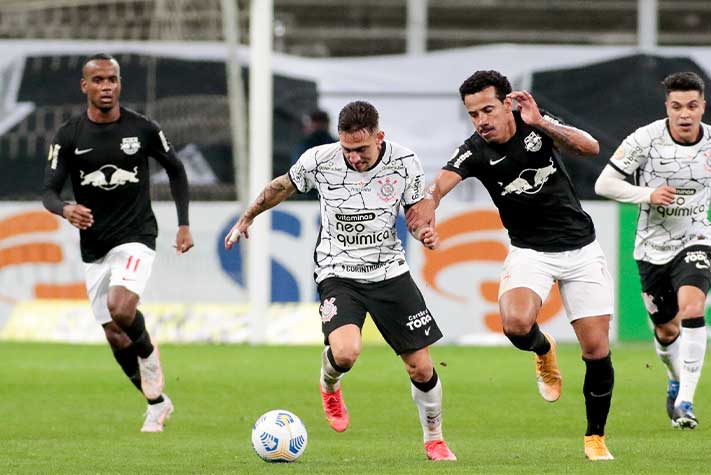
<point>670,160</point>
<point>514,153</point>
<point>362,181</point>
<point>105,153</point>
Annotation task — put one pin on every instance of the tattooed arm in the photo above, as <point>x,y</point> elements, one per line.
<point>274,193</point>
<point>567,138</point>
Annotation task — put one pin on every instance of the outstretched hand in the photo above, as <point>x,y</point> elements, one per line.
<point>241,228</point>
<point>530,113</point>
<point>428,237</point>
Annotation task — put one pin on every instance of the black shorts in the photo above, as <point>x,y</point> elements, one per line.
<point>660,283</point>
<point>396,306</point>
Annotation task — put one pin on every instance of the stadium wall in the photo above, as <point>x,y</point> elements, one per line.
<point>200,296</point>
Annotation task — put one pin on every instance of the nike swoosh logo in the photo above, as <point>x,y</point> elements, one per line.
<point>82,152</point>
<point>665,162</point>
<point>427,331</point>
<point>600,395</point>
<point>494,162</point>
<point>331,188</point>
<point>128,280</point>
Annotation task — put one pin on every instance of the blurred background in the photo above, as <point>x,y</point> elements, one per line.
<point>193,65</point>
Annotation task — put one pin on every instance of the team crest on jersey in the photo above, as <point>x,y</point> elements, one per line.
<point>533,142</point>
<point>386,192</point>
<point>530,180</point>
<point>130,145</point>
<point>707,160</point>
<point>108,177</point>
<point>328,310</point>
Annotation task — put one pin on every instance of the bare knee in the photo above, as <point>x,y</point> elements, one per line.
<point>122,306</point>
<point>346,355</point>
<point>516,326</point>
<point>421,372</point>
<point>667,332</point>
<point>692,309</point>
<point>116,337</point>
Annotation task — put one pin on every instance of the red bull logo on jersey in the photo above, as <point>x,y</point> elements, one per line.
<point>108,177</point>
<point>130,145</point>
<point>529,181</point>
<point>533,142</point>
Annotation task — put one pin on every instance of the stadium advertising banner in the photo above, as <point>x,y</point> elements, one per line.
<point>200,296</point>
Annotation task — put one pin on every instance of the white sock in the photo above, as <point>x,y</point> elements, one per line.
<point>691,354</point>
<point>330,378</point>
<point>669,355</point>
<point>429,406</point>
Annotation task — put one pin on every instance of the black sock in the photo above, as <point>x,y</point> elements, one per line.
<point>156,401</point>
<point>534,341</point>
<point>427,385</point>
<point>127,359</point>
<point>138,334</point>
<point>597,389</point>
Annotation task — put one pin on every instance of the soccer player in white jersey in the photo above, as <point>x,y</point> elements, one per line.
<point>670,160</point>
<point>362,181</point>
<point>515,154</point>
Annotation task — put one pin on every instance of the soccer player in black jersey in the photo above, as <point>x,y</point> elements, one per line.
<point>514,153</point>
<point>105,152</point>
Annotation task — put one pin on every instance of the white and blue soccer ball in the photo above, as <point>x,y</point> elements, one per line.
<point>279,436</point>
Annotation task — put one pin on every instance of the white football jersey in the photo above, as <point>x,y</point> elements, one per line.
<point>359,209</point>
<point>656,159</point>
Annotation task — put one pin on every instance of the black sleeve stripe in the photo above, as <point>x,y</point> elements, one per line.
<point>456,170</point>
<point>618,169</point>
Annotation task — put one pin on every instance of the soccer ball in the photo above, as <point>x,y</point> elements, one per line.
<point>279,436</point>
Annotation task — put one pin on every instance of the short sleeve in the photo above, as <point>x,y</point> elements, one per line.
<point>415,185</point>
<point>461,162</point>
<point>632,152</point>
<point>303,172</point>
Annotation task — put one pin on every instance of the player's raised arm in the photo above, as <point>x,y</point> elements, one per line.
<point>274,193</point>
<point>422,213</point>
<point>565,137</point>
<point>611,184</point>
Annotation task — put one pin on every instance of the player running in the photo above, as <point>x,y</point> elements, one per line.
<point>105,152</point>
<point>670,160</point>
<point>362,181</point>
<point>515,155</point>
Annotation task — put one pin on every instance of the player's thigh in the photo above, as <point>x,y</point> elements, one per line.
<point>658,295</point>
<point>585,283</point>
<point>97,275</point>
<point>341,306</point>
<point>399,311</point>
<point>525,269</point>
<point>131,265</point>
<point>690,275</point>
<point>593,335</point>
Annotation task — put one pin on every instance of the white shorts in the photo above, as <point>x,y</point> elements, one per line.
<point>128,265</point>
<point>583,278</point>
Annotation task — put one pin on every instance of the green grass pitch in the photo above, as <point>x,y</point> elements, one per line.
<point>69,409</point>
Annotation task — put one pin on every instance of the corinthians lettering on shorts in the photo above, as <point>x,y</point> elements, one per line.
<point>529,185</point>
<point>653,158</point>
<point>109,172</point>
<point>359,209</point>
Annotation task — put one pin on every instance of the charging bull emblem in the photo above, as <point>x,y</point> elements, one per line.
<point>109,177</point>
<point>529,181</point>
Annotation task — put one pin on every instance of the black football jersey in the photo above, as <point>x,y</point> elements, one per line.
<point>529,185</point>
<point>107,164</point>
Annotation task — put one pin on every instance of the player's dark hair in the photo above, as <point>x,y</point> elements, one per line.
<point>480,80</point>
<point>100,56</point>
<point>684,81</point>
<point>358,115</point>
